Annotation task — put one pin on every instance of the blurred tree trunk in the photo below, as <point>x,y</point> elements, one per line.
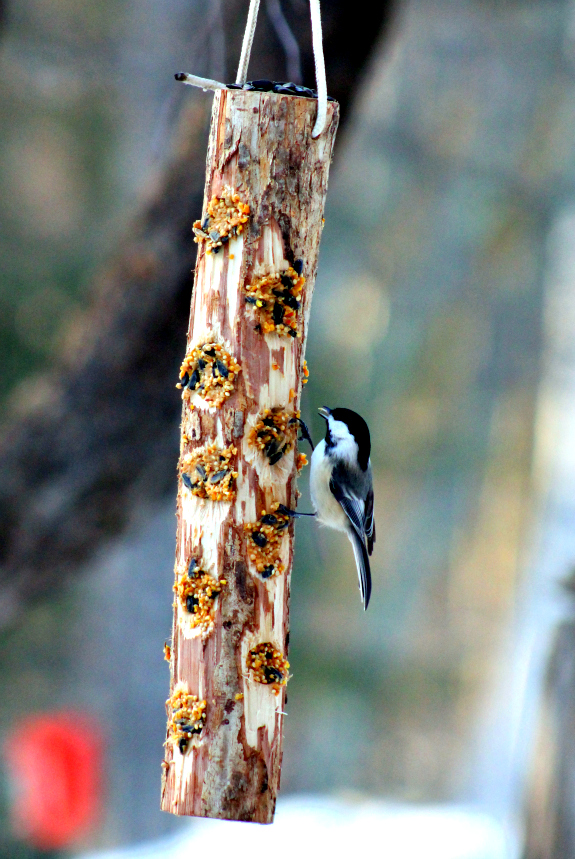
<point>100,434</point>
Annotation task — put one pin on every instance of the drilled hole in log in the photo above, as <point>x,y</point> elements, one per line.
<point>225,219</point>
<point>196,592</point>
<point>276,300</point>
<point>274,434</point>
<point>188,717</point>
<point>208,473</point>
<point>268,666</point>
<point>265,542</point>
<point>209,370</point>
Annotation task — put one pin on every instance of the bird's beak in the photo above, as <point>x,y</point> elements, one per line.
<point>324,412</point>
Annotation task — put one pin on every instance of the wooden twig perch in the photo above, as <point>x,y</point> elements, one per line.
<point>258,243</point>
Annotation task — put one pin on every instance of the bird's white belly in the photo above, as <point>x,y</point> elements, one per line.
<point>329,511</point>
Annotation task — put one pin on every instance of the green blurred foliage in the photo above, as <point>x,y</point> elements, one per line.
<point>58,178</point>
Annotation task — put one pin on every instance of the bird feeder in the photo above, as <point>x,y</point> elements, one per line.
<point>241,381</point>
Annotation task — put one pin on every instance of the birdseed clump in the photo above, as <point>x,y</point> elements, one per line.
<point>210,370</point>
<point>276,299</point>
<point>300,461</point>
<point>196,591</point>
<point>275,433</point>
<point>225,219</point>
<point>208,473</point>
<point>265,539</point>
<point>268,666</point>
<point>187,719</point>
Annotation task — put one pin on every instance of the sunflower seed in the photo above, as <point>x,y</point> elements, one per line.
<point>291,301</point>
<point>276,457</point>
<point>262,85</point>
<point>272,675</point>
<point>192,603</point>
<point>219,475</point>
<point>278,313</point>
<point>272,447</point>
<point>268,519</point>
<point>285,89</point>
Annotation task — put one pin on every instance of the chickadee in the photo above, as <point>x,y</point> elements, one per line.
<point>342,488</point>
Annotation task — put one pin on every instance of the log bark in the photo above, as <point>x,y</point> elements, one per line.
<point>260,150</point>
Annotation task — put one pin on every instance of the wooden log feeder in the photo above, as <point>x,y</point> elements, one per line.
<point>241,380</point>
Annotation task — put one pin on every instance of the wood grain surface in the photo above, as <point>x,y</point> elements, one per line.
<point>261,149</point>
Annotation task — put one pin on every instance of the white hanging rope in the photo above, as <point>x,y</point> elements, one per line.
<point>320,80</point>
<point>242,74</point>
<point>321,118</point>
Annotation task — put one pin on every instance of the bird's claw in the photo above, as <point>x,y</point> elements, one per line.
<point>285,511</point>
<point>305,433</point>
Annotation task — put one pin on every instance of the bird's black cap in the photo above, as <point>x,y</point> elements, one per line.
<point>357,427</point>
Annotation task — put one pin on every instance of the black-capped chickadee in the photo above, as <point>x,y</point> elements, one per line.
<point>342,487</point>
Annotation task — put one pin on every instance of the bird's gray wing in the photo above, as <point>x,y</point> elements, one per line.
<point>352,507</point>
<point>359,514</point>
<point>354,510</point>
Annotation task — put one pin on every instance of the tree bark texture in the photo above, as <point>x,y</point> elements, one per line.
<point>260,150</point>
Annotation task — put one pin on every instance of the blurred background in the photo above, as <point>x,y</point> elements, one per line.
<point>444,313</point>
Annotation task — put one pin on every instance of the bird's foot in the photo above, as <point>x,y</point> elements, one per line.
<point>305,433</point>
<point>293,513</point>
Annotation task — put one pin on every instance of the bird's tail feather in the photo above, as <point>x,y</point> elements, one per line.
<point>362,564</point>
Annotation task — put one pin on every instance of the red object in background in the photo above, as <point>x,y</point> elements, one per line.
<point>55,764</point>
